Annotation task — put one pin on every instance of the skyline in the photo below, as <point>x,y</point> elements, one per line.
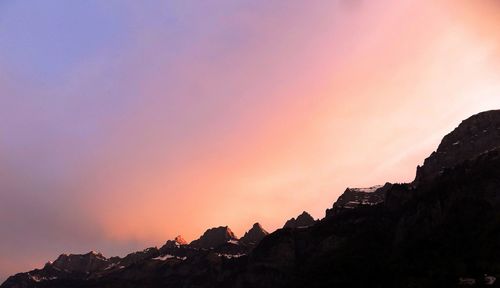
<point>169,118</point>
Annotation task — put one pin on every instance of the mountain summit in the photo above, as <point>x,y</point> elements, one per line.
<point>476,135</point>
<point>86,263</point>
<point>177,242</point>
<point>254,235</point>
<point>302,221</point>
<point>214,237</point>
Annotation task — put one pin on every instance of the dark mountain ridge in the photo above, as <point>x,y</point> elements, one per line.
<point>254,235</point>
<point>214,237</point>
<point>304,220</point>
<point>441,230</point>
<point>474,136</point>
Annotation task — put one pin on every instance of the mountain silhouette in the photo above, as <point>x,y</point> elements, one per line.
<point>441,230</point>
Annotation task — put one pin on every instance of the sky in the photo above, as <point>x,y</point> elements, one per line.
<point>126,123</point>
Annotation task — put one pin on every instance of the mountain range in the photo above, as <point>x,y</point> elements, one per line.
<point>440,230</point>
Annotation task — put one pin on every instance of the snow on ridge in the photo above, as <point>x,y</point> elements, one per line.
<point>168,256</point>
<point>38,278</point>
<point>229,256</point>
<point>367,190</point>
<point>163,258</point>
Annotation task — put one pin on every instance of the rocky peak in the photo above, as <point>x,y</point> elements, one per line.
<point>135,257</point>
<point>214,237</point>
<point>473,137</point>
<point>180,240</point>
<point>84,263</point>
<point>303,220</point>
<point>254,235</point>
<point>177,242</point>
<point>354,197</point>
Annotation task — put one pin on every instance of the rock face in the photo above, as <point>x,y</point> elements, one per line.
<point>214,237</point>
<point>354,197</point>
<point>302,221</point>
<point>475,135</point>
<point>439,231</point>
<point>72,266</point>
<point>254,235</point>
<point>180,240</point>
<point>139,256</point>
<point>86,263</point>
<point>177,242</point>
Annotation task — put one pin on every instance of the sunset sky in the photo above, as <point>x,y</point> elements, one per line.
<point>126,123</point>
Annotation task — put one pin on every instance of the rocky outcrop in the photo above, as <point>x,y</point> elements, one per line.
<point>303,220</point>
<point>72,266</point>
<point>177,242</point>
<point>474,136</point>
<point>180,240</point>
<point>85,263</point>
<point>355,197</point>
<point>140,256</point>
<point>254,235</point>
<point>214,237</point>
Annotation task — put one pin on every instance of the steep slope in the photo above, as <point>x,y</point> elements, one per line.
<point>475,135</point>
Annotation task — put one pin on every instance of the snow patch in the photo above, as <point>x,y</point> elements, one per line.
<point>229,256</point>
<point>38,278</point>
<point>168,256</point>
<point>367,190</point>
<point>163,258</point>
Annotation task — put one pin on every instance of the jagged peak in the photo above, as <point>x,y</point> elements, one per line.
<point>180,240</point>
<point>90,254</point>
<point>95,253</point>
<point>303,220</point>
<point>214,237</point>
<point>257,225</point>
<point>305,214</point>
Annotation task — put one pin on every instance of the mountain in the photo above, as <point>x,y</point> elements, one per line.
<point>355,197</point>
<point>86,263</point>
<point>303,220</point>
<point>438,231</point>
<point>139,256</point>
<point>254,235</point>
<point>177,242</point>
<point>441,230</point>
<point>72,266</point>
<point>214,237</point>
<point>475,135</point>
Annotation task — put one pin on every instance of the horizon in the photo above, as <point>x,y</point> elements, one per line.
<point>168,118</point>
